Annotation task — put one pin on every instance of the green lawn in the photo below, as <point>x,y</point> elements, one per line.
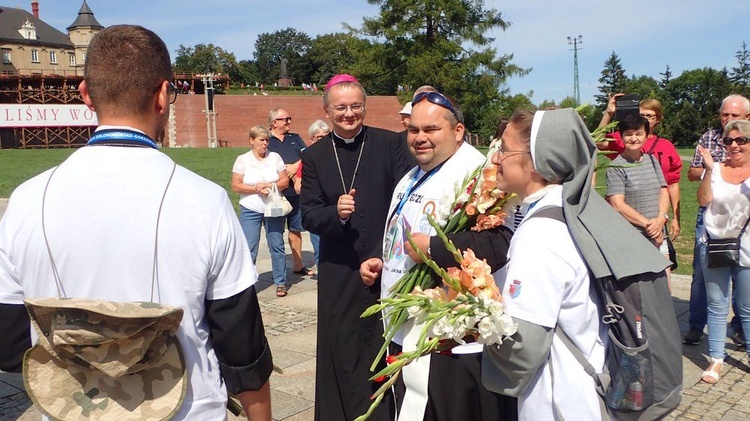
<point>17,166</point>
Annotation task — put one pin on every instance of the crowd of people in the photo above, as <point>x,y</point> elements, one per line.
<point>150,231</point>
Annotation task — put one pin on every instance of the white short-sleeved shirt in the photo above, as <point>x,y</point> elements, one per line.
<point>101,213</point>
<point>436,192</point>
<point>728,212</point>
<point>256,171</point>
<point>546,283</point>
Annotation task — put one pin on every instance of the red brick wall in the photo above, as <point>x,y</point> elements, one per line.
<point>236,114</point>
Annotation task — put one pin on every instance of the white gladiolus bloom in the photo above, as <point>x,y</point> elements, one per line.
<point>505,325</point>
<point>439,328</point>
<point>485,327</point>
<point>496,307</point>
<point>415,312</point>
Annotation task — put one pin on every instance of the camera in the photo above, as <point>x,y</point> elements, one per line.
<point>627,105</point>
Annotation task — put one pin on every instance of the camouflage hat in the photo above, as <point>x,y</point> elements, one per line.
<point>105,360</point>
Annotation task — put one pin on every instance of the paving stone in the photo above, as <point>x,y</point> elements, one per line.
<point>297,380</point>
<point>285,405</point>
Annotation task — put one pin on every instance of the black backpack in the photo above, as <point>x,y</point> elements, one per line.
<point>642,378</point>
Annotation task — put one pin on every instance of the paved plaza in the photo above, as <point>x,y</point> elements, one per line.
<point>290,327</point>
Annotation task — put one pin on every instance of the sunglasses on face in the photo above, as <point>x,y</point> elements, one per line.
<point>436,98</point>
<point>287,119</point>
<point>739,140</point>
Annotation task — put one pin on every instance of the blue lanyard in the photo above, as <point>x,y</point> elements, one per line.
<point>121,138</point>
<point>413,186</point>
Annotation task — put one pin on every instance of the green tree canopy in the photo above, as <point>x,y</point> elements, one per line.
<point>442,43</point>
<point>740,75</point>
<point>330,54</point>
<point>612,81</point>
<point>643,86</point>
<point>204,59</point>
<point>288,43</point>
<point>691,104</point>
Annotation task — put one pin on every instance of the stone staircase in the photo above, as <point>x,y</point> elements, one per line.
<point>236,114</point>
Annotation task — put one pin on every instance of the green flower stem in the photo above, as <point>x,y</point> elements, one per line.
<point>448,243</point>
<point>378,395</point>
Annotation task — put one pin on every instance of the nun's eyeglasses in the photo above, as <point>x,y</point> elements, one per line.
<point>436,98</point>
<point>503,155</point>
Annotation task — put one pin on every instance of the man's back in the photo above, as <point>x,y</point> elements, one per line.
<point>100,217</point>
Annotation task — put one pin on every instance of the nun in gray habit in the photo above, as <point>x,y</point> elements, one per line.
<point>569,238</point>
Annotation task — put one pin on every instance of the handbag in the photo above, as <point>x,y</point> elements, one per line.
<point>724,252</point>
<point>672,253</point>
<point>277,205</point>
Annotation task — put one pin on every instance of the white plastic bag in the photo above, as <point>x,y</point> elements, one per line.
<point>276,205</point>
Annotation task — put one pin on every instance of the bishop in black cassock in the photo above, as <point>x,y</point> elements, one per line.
<point>348,344</point>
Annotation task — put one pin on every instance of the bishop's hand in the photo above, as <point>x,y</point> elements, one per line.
<point>345,205</point>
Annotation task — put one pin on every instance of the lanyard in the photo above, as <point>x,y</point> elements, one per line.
<point>119,137</point>
<point>413,186</point>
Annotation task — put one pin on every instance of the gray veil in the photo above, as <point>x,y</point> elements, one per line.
<point>564,152</point>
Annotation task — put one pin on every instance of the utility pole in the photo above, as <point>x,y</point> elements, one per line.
<point>575,41</point>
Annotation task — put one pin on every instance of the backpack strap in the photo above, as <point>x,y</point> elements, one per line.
<point>601,384</point>
<point>601,388</point>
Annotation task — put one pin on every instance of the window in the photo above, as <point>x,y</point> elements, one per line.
<point>34,56</point>
<point>6,57</point>
<point>72,59</point>
<point>83,55</point>
<point>53,57</point>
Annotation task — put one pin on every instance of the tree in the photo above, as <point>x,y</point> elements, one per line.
<point>740,75</point>
<point>245,72</point>
<point>204,59</point>
<point>288,43</point>
<point>444,44</point>
<point>568,102</point>
<point>548,104</point>
<point>643,86</point>
<point>665,77</point>
<point>613,80</point>
<point>330,54</point>
<point>691,104</point>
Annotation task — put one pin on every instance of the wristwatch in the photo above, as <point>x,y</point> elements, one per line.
<point>666,216</point>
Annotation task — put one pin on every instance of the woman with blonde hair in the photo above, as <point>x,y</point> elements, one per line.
<point>725,191</point>
<point>253,175</point>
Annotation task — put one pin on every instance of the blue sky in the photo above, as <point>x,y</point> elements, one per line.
<point>646,34</point>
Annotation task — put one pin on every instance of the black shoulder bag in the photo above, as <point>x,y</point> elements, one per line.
<point>724,252</point>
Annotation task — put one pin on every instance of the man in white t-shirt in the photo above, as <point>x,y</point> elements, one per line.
<point>117,211</point>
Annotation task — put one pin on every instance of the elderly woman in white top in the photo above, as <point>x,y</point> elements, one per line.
<point>725,190</point>
<point>253,174</point>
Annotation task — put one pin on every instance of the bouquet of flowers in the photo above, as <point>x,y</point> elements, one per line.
<point>467,305</point>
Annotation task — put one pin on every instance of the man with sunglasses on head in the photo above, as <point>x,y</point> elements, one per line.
<point>289,146</point>
<point>443,386</point>
<point>347,181</point>
<point>733,107</point>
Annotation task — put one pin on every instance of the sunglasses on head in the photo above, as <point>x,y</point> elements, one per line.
<point>729,140</point>
<point>436,98</point>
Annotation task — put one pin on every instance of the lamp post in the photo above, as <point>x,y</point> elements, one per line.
<point>575,41</point>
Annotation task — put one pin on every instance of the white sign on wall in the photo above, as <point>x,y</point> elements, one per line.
<point>46,115</point>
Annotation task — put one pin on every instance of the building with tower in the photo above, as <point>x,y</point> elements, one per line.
<point>41,67</point>
<point>32,47</point>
